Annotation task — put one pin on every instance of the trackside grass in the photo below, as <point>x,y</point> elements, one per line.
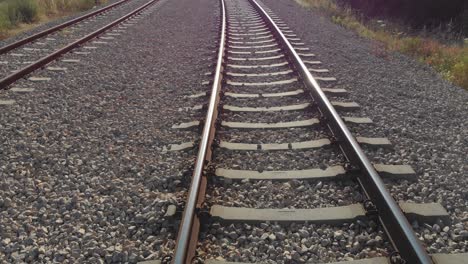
<point>451,61</point>
<point>16,15</point>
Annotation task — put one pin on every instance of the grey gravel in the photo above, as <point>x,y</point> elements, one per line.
<point>279,160</point>
<point>269,117</point>
<point>292,243</point>
<point>291,194</point>
<point>266,101</point>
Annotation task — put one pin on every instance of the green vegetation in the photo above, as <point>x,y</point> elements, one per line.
<point>63,6</point>
<point>14,14</point>
<point>450,60</point>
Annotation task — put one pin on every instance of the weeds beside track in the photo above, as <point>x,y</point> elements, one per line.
<point>451,61</point>
<point>18,15</point>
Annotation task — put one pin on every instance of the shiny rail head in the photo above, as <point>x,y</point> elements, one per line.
<point>186,232</point>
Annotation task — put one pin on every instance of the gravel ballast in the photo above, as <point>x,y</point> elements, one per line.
<point>423,115</point>
<point>84,175</point>
<point>292,243</point>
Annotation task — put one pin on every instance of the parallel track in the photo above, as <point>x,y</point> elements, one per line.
<point>245,43</point>
<point>47,56</point>
<point>51,30</point>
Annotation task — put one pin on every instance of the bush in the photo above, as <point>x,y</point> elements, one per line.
<point>460,71</point>
<point>83,5</point>
<point>13,12</point>
<point>410,45</point>
<point>27,10</point>
<point>418,13</point>
<point>4,20</point>
<point>21,11</point>
<point>60,6</point>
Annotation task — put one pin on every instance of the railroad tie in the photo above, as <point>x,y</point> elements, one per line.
<point>256,59</point>
<point>7,102</point>
<point>441,258</point>
<point>57,69</point>
<point>259,74</point>
<point>345,106</point>
<point>396,171</point>
<point>70,60</point>
<point>251,95</point>
<point>21,90</point>
<point>179,147</point>
<point>245,125</point>
<point>273,65</point>
<point>82,52</point>
<point>233,108</point>
<point>357,120</point>
<point>254,46</point>
<point>197,95</point>
<point>189,109</point>
<point>307,174</point>
<point>187,125</point>
<point>374,142</point>
<point>326,215</point>
<point>312,62</point>
<point>34,49</point>
<point>335,91</point>
<point>319,143</point>
<point>39,79</point>
<point>281,82</point>
<point>305,54</point>
<point>318,70</point>
<point>337,171</point>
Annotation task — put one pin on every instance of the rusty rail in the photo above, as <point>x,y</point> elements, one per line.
<point>190,225</point>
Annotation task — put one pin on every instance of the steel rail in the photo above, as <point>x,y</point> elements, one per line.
<point>41,34</point>
<point>51,57</point>
<point>392,218</point>
<point>189,227</point>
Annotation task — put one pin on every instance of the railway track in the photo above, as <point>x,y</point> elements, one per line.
<point>278,169</point>
<point>22,57</point>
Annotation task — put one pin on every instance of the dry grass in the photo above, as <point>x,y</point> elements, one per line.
<point>60,6</point>
<point>451,61</point>
<point>19,15</point>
